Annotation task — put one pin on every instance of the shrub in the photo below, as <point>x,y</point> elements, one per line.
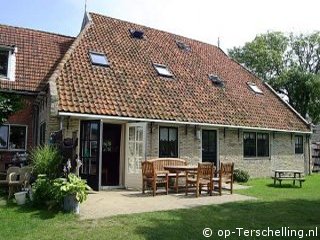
<point>46,160</point>
<point>73,185</point>
<point>45,192</point>
<point>240,175</point>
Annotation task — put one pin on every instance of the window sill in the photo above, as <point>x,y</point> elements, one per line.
<point>4,78</point>
<point>257,158</point>
<point>13,150</point>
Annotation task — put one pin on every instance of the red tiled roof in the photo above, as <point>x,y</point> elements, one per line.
<point>37,56</point>
<point>131,87</point>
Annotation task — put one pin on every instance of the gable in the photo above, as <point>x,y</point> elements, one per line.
<point>37,55</point>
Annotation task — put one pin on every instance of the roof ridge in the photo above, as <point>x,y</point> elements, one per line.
<point>36,30</point>
<point>159,30</point>
<point>52,80</point>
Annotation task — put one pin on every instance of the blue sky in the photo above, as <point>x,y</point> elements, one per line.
<point>233,21</point>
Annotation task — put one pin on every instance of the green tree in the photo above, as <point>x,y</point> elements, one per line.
<point>290,64</point>
<point>9,104</point>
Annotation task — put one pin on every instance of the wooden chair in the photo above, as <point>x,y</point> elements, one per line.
<point>202,177</point>
<point>225,175</point>
<point>151,177</point>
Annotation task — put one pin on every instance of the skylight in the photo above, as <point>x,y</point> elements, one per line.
<point>183,46</point>
<point>216,80</point>
<point>254,88</point>
<point>98,59</point>
<point>136,33</point>
<point>162,70</point>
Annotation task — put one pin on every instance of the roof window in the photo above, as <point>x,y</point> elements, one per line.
<point>216,80</point>
<point>254,88</point>
<point>183,46</point>
<point>7,62</point>
<point>136,33</point>
<point>98,59</point>
<point>162,70</point>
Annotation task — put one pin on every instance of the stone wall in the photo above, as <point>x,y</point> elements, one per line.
<point>189,145</point>
<point>230,148</point>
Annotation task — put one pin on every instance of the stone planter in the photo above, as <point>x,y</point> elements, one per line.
<point>70,204</point>
<point>21,197</point>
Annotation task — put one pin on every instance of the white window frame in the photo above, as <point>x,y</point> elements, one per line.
<point>11,63</point>
<point>100,54</point>
<point>255,88</point>
<point>165,73</point>
<point>8,149</point>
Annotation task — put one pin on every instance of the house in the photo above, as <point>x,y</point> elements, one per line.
<point>27,59</point>
<point>129,93</point>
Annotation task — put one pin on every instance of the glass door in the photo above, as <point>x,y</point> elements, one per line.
<point>135,154</point>
<point>209,146</point>
<point>89,152</point>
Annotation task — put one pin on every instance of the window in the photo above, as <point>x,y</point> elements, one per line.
<point>216,80</point>
<point>183,46</point>
<point>255,144</point>
<point>254,88</point>
<point>7,62</point>
<point>4,134</point>
<point>4,62</point>
<point>298,148</point>
<point>163,70</point>
<point>168,142</point>
<point>98,59</point>
<point>42,133</point>
<point>13,137</point>
<point>136,33</point>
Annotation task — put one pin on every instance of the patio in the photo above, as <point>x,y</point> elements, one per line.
<point>116,202</point>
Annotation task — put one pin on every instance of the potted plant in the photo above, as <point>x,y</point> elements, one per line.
<point>72,191</point>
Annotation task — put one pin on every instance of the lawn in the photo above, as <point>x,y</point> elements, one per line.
<point>293,207</point>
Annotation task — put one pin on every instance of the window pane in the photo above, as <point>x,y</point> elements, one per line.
<point>164,134</point>
<point>263,144</point>
<point>4,56</point>
<point>4,137</point>
<point>99,59</point>
<point>42,133</point>
<point>163,70</point>
<point>94,131</point>
<point>298,144</point>
<point>168,142</point>
<point>249,144</point>
<point>17,137</point>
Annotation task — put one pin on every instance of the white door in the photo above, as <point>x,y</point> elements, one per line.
<point>135,154</point>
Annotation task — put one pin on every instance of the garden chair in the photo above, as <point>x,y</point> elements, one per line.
<point>12,175</point>
<point>150,177</point>
<point>225,176</point>
<point>202,177</point>
<point>16,184</point>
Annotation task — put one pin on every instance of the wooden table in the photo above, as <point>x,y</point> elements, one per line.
<point>292,175</point>
<point>178,170</point>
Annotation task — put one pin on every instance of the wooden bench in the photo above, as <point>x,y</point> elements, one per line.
<point>288,175</point>
<point>160,163</point>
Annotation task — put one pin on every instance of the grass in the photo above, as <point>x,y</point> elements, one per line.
<point>294,207</point>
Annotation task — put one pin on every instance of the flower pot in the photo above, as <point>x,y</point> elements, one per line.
<point>20,197</point>
<point>71,204</point>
